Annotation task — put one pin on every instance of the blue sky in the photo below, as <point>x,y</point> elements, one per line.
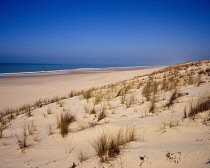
<point>104,32</point>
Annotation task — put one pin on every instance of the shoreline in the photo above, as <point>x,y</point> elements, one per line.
<point>76,70</point>
<point>72,69</point>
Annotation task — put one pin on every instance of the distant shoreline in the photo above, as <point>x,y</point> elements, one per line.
<point>6,69</point>
<point>72,71</point>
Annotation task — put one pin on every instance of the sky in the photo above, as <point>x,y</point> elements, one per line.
<point>150,32</point>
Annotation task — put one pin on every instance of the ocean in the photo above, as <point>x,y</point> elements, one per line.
<point>35,68</point>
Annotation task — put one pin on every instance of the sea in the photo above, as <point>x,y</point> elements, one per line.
<point>6,68</point>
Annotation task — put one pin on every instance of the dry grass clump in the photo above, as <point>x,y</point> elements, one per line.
<point>98,98</point>
<point>49,111</point>
<point>175,94</point>
<point>184,112</point>
<point>89,94</point>
<point>198,80</point>
<point>28,111</point>
<point>123,90</point>
<point>31,127</point>
<point>147,90</point>
<point>199,105</point>
<point>89,110</point>
<point>152,105</point>
<point>63,121</point>
<point>87,125</point>
<point>170,123</point>
<point>38,103</point>
<point>130,101</point>
<point>1,131</point>
<point>107,145</point>
<point>49,130</point>
<point>82,155</point>
<point>206,119</point>
<point>22,141</point>
<point>151,87</point>
<point>102,113</point>
<point>60,103</point>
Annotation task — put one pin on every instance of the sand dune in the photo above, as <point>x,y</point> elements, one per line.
<point>156,117</point>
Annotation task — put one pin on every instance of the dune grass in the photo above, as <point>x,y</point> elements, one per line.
<point>82,155</point>
<point>102,113</point>
<point>107,145</point>
<point>49,130</point>
<point>1,132</point>
<point>31,127</point>
<point>63,121</point>
<point>174,95</point>
<point>88,125</point>
<point>22,140</point>
<point>202,103</point>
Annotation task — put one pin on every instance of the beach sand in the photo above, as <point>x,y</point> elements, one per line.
<point>142,133</point>
<point>19,89</point>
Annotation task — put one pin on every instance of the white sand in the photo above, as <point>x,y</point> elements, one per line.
<point>16,90</point>
<point>189,142</point>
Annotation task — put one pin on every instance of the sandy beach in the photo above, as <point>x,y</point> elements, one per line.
<point>133,118</point>
<point>19,89</point>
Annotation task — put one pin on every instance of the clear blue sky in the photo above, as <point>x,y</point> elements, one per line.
<point>104,32</point>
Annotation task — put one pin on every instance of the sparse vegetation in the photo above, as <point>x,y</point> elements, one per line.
<point>130,101</point>
<point>89,110</point>
<point>152,105</point>
<point>63,121</point>
<point>49,130</point>
<point>102,113</point>
<point>82,155</point>
<point>169,123</point>
<point>107,145</point>
<point>49,111</point>
<point>202,103</point>
<point>22,140</point>
<point>31,127</point>
<point>1,132</point>
<point>84,126</point>
<point>174,95</point>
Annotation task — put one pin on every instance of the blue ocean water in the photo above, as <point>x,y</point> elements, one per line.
<point>33,68</point>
